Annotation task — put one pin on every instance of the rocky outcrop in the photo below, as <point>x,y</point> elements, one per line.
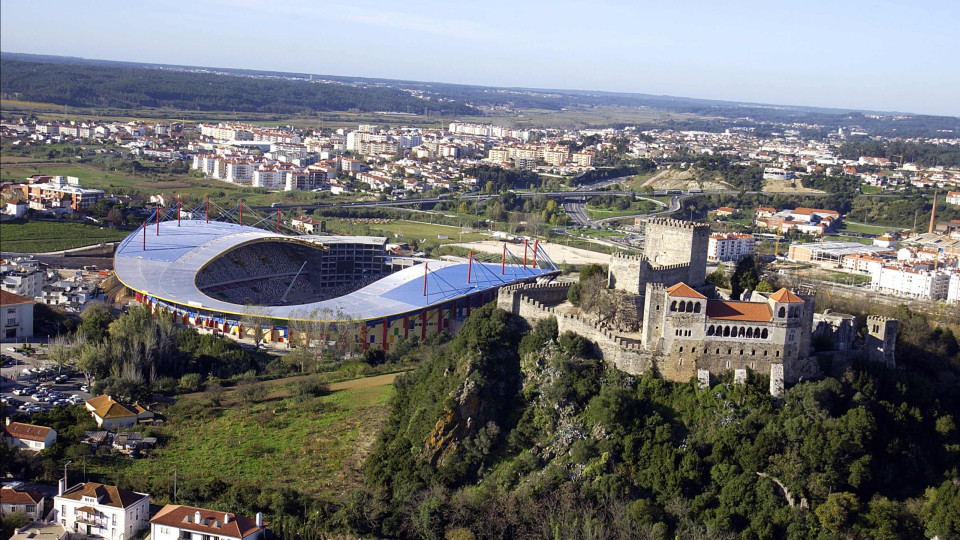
<point>458,422</point>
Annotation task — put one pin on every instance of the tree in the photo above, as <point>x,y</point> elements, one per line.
<point>95,321</point>
<point>256,318</point>
<point>62,349</point>
<point>746,276</point>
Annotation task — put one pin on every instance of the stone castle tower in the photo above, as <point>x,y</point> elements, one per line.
<point>881,340</point>
<point>674,251</point>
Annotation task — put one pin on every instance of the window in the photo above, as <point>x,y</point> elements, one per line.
<point>114,519</point>
<point>781,312</point>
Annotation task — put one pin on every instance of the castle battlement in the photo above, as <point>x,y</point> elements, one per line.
<point>678,223</point>
<point>628,256</point>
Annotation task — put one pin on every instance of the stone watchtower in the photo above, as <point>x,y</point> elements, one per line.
<point>881,340</point>
<point>672,241</point>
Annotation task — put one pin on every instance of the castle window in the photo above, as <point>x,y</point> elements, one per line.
<point>743,331</point>
<point>718,351</point>
<point>673,306</point>
<point>693,350</point>
<point>728,364</point>
<point>681,349</point>
<point>696,307</point>
<point>729,351</point>
<point>658,307</point>
<point>764,353</point>
<point>753,352</point>
<point>781,313</point>
<point>741,352</point>
<point>689,307</point>
<point>756,332</point>
<point>749,332</point>
<point>710,330</point>
<point>778,354</point>
<point>763,334</point>
<point>726,331</point>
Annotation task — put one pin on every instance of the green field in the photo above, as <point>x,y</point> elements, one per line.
<point>834,238</point>
<point>315,445</point>
<point>865,229</point>
<point>33,236</point>
<point>869,190</point>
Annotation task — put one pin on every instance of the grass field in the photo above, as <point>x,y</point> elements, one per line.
<point>869,190</point>
<point>33,236</point>
<point>834,238</point>
<point>865,229</point>
<point>315,445</point>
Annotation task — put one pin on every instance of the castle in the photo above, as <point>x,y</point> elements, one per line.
<point>688,330</point>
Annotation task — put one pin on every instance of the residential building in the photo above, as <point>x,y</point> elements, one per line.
<point>911,281</point>
<point>93,509</point>
<point>953,288</point>
<point>16,316</point>
<point>953,197</point>
<point>25,283</point>
<point>29,503</point>
<point>28,436</point>
<point>178,522</point>
<point>40,530</point>
<point>726,211</point>
<point>111,414</point>
<point>730,246</point>
<point>16,208</point>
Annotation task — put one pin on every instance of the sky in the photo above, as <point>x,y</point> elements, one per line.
<point>870,55</point>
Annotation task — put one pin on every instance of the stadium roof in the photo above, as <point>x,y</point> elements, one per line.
<point>167,270</point>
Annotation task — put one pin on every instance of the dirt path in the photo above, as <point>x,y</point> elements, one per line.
<point>366,382</point>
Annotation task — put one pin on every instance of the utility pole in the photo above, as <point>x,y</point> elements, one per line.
<point>174,486</point>
<point>65,484</point>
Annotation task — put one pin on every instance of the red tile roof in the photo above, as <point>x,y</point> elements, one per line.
<point>683,290</point>
<point>211,522</point>
<point>786,297</point>
<point>13,496</point>
<point>107,495</point>
<point>727,310</point>
<point>27,432</point>
<point>10,299</point>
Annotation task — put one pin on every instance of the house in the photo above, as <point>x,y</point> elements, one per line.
<point>40,530</point>
<point>178,522</point>
<point>94,509</point>
<point>28,436</point>
<point>766,211</point>
<point>111,414</point>
<point>18,208</point>
<point>953,197</point>
<point>29,503</point>
<point>16,316</point>
<point>725,211</point>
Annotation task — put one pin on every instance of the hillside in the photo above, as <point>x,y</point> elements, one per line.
<point>83,85</point>
<point>500,435</point>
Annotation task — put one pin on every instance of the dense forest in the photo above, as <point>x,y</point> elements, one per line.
<point>151,85</point>
<point>79,85</point>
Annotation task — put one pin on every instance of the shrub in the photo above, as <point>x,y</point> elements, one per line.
<point>190,382</point>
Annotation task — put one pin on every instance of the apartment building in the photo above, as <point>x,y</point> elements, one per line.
<point>730,246</point>
<point>16,318</point>
<point>92,509</point>
<point>911,281</point>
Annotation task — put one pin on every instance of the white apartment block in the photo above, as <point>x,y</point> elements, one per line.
<point>240,172</point>
<point>92,509</point>
<point>730,246</point>
<point>953,288</point>
<point>911,282</point>
<point>28,283</point>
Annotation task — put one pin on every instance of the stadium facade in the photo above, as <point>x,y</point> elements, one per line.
<point>219,275</point>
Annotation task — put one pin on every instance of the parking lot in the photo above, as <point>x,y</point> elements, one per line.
<point>30,384</point>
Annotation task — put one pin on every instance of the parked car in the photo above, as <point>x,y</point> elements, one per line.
<point>38,397</point>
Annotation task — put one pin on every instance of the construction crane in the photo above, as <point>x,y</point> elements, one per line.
<point>899,156</point>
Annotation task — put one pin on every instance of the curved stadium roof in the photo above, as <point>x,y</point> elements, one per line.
<point>168,267</point>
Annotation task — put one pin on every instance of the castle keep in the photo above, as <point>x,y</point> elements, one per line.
<point>687,330</point>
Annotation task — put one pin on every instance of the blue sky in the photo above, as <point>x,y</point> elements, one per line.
<point>878,55</point>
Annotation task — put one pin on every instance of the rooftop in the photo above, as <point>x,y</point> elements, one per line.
<point>167,270</point>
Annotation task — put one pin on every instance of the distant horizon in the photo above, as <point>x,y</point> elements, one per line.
<point>854,55</point>
<point>839,110</point>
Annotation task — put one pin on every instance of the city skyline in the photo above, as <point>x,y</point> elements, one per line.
<point>851,56</point>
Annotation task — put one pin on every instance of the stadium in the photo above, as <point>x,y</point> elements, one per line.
<point>248,282</point>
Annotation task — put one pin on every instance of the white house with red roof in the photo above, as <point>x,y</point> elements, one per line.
<point>16,316</point>
<point>953,197</point>
<point>30,503</point>
<point>98,510</point>
<point>179,522</point>
<point>28,436</point>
